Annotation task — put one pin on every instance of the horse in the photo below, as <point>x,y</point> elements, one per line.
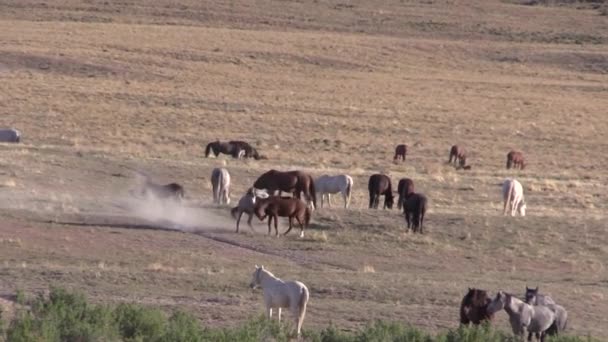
<point>415,206</point>
<point>275,206</point>
<point>218,147</point>
<point>220,181</point>
<point>533,297</point>
<point>247,205</point>
<point>522,316</point>
<point>295,182</point>
<point>10,135</point>
<point>172,190</point>
<point>405,188</point>
<point>513,197</point>
<point>379,185</point>
<point>458,156</point>
<point>474,307</point>
<point>400,152</point>
<point>327,185</point>
<point>245,150</point>
<point>515,159</point>
<point>280,294</point>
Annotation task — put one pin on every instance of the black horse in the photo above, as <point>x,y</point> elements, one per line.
<point>379,185</point>
<point>235,148</point>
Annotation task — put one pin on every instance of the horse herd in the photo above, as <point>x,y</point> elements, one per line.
<point>537,314</point>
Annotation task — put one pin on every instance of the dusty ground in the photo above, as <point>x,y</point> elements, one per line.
<point>100,88</point>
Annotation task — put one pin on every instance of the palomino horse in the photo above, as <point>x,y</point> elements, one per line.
<point>275,206</point>
<point>172,190</point>
<point>247,205</point>
<point>220,181</point>
<point>523,317</point>
<point>377,186</point>
<point>405,188</point>
<point>515,159</point>
<point>294,182</point>
<point>327,185</point>
<point>513,197</point>
<point>474,307</point>
<point>533,297</point>
<point>280,294</point>
<point>10,135</point>
<point>400,152</point>
<point>458,156</point>
<point>415,206</point>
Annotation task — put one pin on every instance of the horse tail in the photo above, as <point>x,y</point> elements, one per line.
<point>312,191</point>
<point>509,195</point>
<point>233,211</point>
<point>349,189</point>
<point>304,296</point>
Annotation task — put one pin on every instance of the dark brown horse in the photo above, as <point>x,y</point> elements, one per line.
<point>405,188</point>
<point>415,206</point>
<point>474,307</point>
<point>515,159</point>
<point>234,148</point>
<point>400,152</point>
<point>294,182</point>
<point>246,150</point>
<point>379,185</point>
<point>458,156</point>
<point>172,190</point>
<point>292,208</point>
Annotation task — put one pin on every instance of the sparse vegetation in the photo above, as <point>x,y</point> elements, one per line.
<point>68,317</point>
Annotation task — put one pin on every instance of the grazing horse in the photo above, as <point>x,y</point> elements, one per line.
<point>533,297</point>
<point>458,156</point>
<point>247,205</point>
<point>294,182</point>
<point>379,185</point>
<point>405,188</point>
<point>522,316</point>
<point>10,135</point>
<point>327,185</point>
<point>172,190</point>
<point>474,307</point>
<point>275,206</point>
<point>400,152</point>
<point>220,181</point>
<point>513,197</point>
<point>515,159</point>
<point>280,294</point>
<point>218,147</point>
<point>415,206</point>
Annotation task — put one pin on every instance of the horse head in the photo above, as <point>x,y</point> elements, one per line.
<point>256,280</point>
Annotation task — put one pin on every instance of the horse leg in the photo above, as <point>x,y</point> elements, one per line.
<point>249,221</point>
<point>238,220</point>
<point>279,314</point>
<point>322,198</point>
<point>269,313</point>
<point>371,201</point>
<point>407,219</point>
<point>329,200</point>
<point>276,225</point>
<point>290,225</point>
<point>270,223</point>
<point>301,226</point>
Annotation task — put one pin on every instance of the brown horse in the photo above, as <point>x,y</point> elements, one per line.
<point>294,182</point>
<point>415,206</point>
<point>474,307</point>
<point>379,185</point>
<point>515,159</point>
<point>235,148</point>
<point>275,206</point>
<point>458,156</point>
<point>405,188</point>
<point>400,152</point>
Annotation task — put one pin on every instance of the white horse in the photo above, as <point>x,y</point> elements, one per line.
<point>220,180</point>
<point>523,317</point>
<point>10,135</point>
<point>513,197</point>
<point>282,294</point>
<point>327,185</point>
<point>247,205</point>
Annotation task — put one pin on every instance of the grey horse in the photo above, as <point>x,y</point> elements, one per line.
<point>220,180</point>
<point>247,205</point>
<point>561,315</point>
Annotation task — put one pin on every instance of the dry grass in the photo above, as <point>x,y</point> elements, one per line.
<point>100,89</point>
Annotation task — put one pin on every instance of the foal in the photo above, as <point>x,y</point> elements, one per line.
<point>280,294</point>
<point>289,207</point>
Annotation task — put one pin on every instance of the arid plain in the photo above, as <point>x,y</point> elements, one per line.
<point>102,88</point>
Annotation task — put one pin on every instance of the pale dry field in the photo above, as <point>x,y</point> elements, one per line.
<point>100,88</point>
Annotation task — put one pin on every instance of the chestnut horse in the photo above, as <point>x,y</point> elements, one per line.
<point>458,156</point>
<point>275,206</point>
<point>400,152</point>
<point>515,159</point>
<point>294,182</point>
<point>405,188</point>
<point>474,307</point>
<point>379,185</point>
